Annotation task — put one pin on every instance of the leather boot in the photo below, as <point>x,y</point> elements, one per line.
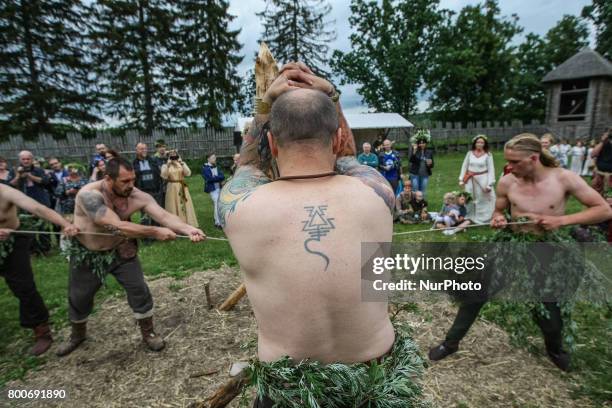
<point>78,335</point>
<point>43,339</point>
<point>152,340</point>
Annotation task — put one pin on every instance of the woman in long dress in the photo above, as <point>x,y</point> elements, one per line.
<point>178,199</point>
<point>478,178</point>
<point>577,153</point>
<point>589,164</point>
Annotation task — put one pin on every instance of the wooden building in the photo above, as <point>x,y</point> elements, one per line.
<point>579,96</point>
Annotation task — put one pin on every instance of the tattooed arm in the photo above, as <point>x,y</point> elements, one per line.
<point>91,204</point>
<point>349,166</point>
<point>238,189</point>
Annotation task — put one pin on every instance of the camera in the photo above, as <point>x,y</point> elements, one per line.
<point>174,157</point>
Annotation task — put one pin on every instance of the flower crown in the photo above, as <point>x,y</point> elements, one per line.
<point>421,135</point>
<point>475,138</point>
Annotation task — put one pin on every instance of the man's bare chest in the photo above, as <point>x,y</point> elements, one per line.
<point>537,199</point>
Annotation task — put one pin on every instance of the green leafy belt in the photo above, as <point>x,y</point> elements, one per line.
<point>388,384</point>
<point>99,262</point>
<point>516,315</point>
<point>6,247</point>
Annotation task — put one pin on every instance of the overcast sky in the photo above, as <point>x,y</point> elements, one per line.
<point>536,16</point>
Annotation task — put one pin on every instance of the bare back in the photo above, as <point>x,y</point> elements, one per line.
<point>299,246</point>
<point>123,208</point>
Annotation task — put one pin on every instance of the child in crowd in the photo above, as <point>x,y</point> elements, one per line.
<point>463,198</point>
<point>404,212</point>
<point>419,206</point>
<point>449,215</point>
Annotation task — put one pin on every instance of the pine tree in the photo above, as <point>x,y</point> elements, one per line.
<point>297,30</point>
<point>244,104</point>
<point>131,40</point>
<point>45,84</point>
<point>600,13</point>
<point>204,63</point>
<point>390,51</point>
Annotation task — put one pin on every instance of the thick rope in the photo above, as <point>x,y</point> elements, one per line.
<point>103,234</point>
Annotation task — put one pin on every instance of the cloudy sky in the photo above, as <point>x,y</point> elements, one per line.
<point>536,16</point>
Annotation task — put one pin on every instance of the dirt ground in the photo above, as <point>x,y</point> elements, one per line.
<point>113,369</point>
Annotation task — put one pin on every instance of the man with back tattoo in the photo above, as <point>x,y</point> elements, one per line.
<point>106,207</point>
<point>298,238</point>
<point>15,264</point>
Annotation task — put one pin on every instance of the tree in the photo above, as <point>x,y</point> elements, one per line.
<point>536,57</point>
<point>131,39</point>
<point>390,51</point>
<point>565,39</point>
<point>44,72</point>
<point>600,13</point>
<point>528,100</point>
<point>296,30</point>
<point>204,64</point>
<point>471,76</point>
<point>244,104</point>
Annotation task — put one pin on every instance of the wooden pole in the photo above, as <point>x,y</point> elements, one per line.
<point>224,394</point>
<point>234,298</point>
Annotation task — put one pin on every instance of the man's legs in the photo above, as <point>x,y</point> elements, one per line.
<point>552,328</point>
<point>33,313</point>
<point>215,197</point>
<point>467,314</point>
<point>129,275</point>
<point>423,184</point>
<point>82,287</point>
<point>414,180</point>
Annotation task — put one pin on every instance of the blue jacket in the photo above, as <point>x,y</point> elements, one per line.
<point>209,179</point>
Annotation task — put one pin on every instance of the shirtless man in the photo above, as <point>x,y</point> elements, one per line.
<point>298,239</point>
<point>15,264</point>
<point>534,173</point>
<point>107,206</point>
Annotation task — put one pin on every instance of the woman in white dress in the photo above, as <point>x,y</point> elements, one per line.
<point>589,164</point>
<point>478,178</point>
<point>577,153</point>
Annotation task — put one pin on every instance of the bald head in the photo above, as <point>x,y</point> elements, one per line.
<point>303,115</point>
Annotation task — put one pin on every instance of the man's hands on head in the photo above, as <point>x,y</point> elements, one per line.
<point>5,233</point>
<point>296,75</point>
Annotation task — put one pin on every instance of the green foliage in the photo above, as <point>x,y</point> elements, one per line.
<point>600,13</point>
<point>565,39</point>
<point>45,84</point>
<point>201,33</point>
<point>297,30</point>
<point>244,104</point>
<point>388,384</point>
<point>98,262</point>
<point>6,247</point>
<point>473,81</point>
<point>391,49</point>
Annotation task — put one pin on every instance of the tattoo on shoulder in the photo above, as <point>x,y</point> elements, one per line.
<point>349,166</point>
<point>93,204</point>
<point>317,225</point>
<point>238,189</point>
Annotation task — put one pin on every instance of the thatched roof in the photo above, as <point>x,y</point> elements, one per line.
<point>585,64</point>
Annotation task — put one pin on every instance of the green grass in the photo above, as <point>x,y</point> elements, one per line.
<point>592,359</point>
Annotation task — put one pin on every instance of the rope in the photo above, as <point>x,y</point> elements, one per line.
<point>103,234</point>
<point>467,226</point>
